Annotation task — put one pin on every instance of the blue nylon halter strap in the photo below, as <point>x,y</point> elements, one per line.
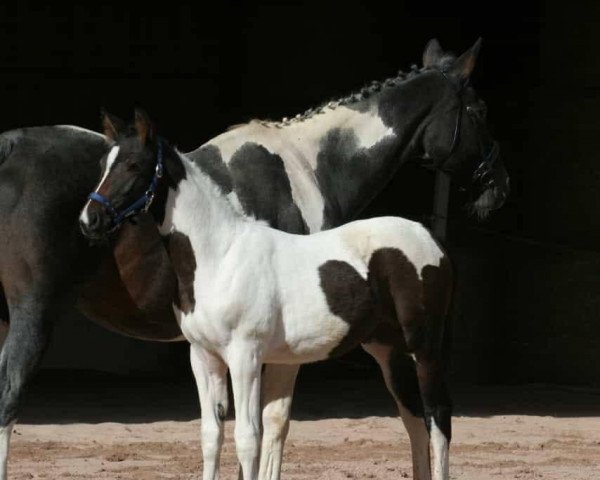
<point>143,203</point>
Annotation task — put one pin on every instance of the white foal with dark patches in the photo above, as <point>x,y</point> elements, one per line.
<point>249,294</point>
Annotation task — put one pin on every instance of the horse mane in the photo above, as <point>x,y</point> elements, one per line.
<point>364,93</point>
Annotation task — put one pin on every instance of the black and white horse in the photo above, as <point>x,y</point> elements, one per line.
<point>250,294</point>
<point>432,117</point>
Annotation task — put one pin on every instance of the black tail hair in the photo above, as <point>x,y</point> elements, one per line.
<point>6,146</point>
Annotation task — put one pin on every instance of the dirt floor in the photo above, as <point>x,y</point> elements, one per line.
<point>99,427</point>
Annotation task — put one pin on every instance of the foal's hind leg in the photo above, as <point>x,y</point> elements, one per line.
<point>277,391</point>
<point>438,412</point>
<point>400,377</point>
<point>30,326</point>
<point>211,378</point>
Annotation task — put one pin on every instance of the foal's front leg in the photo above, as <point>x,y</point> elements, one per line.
<point>211,378</point>
<point>245,367</point>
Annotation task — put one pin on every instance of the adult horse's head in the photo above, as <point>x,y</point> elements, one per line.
<point>454,135</point>
<point>131,171</point>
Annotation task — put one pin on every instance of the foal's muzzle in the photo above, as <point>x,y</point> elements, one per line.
<point>97,224</point>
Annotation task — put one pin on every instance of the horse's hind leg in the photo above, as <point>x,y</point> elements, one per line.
<point>277,391</point>
<point>30,325</point>
<point>438,412</point>
<point>419,302</point>
<point>400,377</point>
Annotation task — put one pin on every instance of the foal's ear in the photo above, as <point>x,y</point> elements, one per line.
<point>464,65</point>
<point>111,125</point>
<point>432,54</point>
<point>143,126</point>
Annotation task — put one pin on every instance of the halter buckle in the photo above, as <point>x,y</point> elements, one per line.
<point>149,199</point>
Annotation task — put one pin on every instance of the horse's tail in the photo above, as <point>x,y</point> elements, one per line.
<point>7,143</point>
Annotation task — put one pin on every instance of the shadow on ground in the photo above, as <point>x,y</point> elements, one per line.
<point>67,396</point>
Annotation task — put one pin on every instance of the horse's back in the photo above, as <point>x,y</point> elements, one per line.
<point>367,236</point>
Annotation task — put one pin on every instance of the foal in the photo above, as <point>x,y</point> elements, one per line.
<point>249,294</point>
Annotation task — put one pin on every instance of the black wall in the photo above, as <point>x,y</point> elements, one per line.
<point>528,300</point>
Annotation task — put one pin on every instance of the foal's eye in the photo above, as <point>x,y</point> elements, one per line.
<point>132,165</point>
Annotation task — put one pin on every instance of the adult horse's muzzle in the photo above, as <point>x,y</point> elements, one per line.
<point>490,184</point>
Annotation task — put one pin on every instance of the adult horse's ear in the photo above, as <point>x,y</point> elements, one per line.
<point>143,125</point>
<point>111,125</point>
<point>464,65</point>
<point>432,54</point>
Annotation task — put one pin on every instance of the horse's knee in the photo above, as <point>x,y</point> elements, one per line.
<point>211,439</point>
<point>247,442</point>
<point>275,419</point>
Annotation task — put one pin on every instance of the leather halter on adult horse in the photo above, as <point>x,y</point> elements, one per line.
<point>321,182</point>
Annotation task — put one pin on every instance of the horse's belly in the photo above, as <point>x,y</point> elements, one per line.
<point>307,339</point>
<point>105,300</point>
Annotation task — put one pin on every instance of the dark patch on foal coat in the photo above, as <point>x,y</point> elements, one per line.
<point>350,298</point>
<point>404,381</point>
<point>209,159</point>
<point>393,294</point>
<point>393,306</point>
<point>263,188</point>
<point>184,264</point>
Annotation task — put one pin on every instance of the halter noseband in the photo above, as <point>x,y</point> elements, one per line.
<point>142,204</point>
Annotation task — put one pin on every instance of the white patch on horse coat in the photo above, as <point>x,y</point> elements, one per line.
<point>298,145</point>
<point>439,449</point>
<point>112,156</point>
<point>5,433</point>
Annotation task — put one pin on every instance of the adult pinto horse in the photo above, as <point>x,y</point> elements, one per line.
<point>301,175</point>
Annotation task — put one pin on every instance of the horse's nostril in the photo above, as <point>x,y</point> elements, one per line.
<point>93,220</point>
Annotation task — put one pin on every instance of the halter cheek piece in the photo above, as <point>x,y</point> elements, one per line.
<point>142,204</point>
<point>488,158</point>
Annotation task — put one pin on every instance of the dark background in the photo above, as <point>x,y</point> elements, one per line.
<point>528,303</point>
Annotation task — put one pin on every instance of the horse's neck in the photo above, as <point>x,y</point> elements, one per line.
<point>196,207</point>
<point>349,151</point>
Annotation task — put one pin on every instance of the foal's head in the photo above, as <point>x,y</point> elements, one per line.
<point>455,138</point>
<point>131,171</point>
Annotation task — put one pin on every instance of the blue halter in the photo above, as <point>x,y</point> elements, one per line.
<point>142,204</point>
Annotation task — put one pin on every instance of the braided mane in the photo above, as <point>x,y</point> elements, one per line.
<point>366,92</point>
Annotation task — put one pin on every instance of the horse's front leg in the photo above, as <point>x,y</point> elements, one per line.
<point>31,320</point>
<point>245,367</point>
<point>277,391</point>
<point>211,378</point>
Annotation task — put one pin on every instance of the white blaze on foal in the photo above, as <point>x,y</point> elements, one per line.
<point>249,294</point>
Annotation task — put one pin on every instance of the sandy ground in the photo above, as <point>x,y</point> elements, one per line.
<point>99,428</point>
